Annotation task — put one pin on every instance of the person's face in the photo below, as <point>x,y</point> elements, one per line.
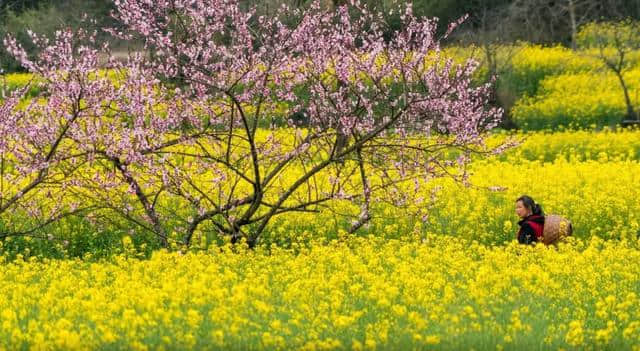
<point>521,210</point>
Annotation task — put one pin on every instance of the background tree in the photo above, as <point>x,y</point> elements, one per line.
<point>45,17</point>
<point>488,32</point>
<point>615,42</point>
<point>536,21</point>
<point>18,6</point>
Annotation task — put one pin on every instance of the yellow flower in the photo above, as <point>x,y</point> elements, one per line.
<point>432,340</point>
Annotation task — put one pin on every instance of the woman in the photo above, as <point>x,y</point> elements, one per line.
<point>532,220</point>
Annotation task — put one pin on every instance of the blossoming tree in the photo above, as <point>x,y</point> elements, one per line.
<point>229,120</point>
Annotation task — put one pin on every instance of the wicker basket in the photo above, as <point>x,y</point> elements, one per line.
<point>555,227</point>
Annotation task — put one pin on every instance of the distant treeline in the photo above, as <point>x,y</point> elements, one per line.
<point>503,21</point>
<point>45,17</point>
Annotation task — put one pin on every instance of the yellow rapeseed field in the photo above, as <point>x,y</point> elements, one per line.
<point>592,178</point>
<point>363,293</point>
<point>578,99</point>
<point>440,272</point>
<point>445,281</point>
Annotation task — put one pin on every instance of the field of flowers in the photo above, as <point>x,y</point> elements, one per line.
<point>558,87</point>
<point>577,100</point>
<point>591,177</point>
<point>440,270</point>
<point>435,275</point>
<point>363,293</point>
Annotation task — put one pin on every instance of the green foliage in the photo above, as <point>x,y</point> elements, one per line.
<point>78,237</point>
<point>45,18</point>
<point>533,63</point>
<point>624,34</point>
<point>14,81</point>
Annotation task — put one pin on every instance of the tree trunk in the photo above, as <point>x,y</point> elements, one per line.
<point>572,18</point>
<point>631,113</point>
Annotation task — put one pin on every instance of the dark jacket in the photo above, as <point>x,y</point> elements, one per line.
<point>530,229</point>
